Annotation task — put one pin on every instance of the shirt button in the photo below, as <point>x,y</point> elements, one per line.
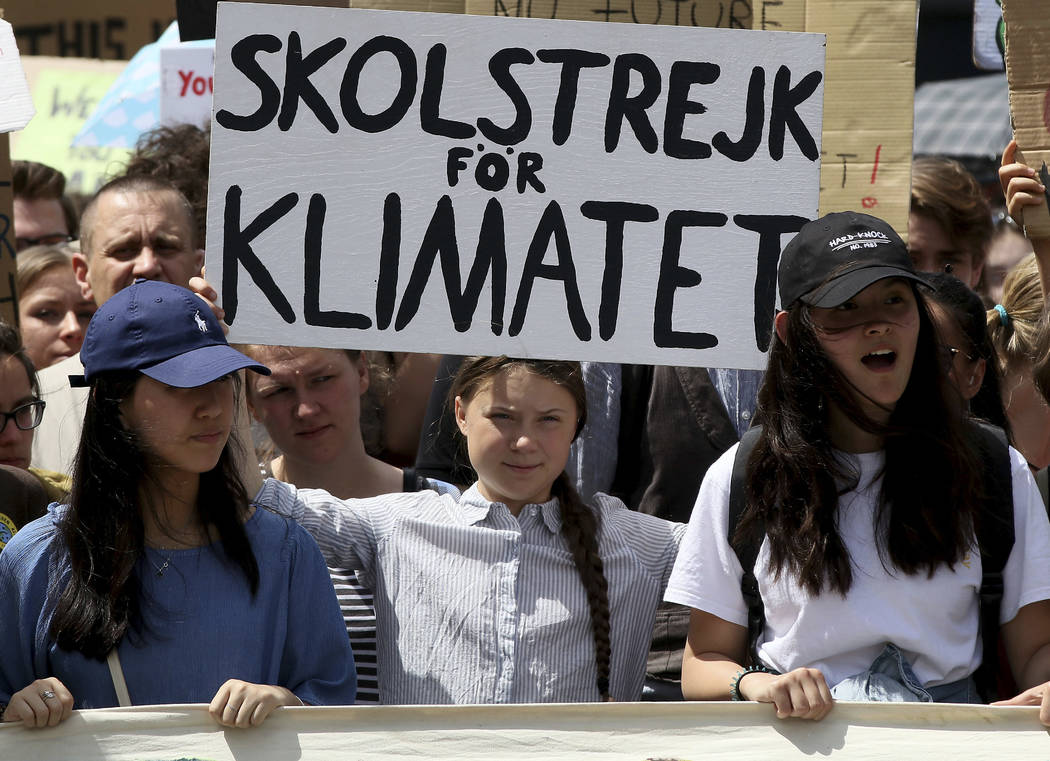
<point>746,415</point>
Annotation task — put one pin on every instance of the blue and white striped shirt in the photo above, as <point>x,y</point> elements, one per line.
<point>476,606</point>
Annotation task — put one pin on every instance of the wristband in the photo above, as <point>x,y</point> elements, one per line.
<point>734,686</point>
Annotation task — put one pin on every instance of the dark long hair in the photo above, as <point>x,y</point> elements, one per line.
<point>964,306</point>
<point>580,523</point>
<point>103,530</point>
<point>932,490</point>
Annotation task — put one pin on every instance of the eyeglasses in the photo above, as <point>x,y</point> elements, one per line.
<point>952,351</point>
<point>26,417</point>
<point>51,239</point>
<point>948,354</point>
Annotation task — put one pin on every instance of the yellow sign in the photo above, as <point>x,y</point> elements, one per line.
<point>65,92</point>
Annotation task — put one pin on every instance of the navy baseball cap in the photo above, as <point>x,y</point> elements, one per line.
<point>834,258</point>
<point>163,331</point>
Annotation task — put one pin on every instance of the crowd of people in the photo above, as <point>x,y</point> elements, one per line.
<point>861,521</point>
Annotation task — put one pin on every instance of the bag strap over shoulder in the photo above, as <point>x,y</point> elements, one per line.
<point>746,550</point>
<point>116,673</point>
<point>995,537</point>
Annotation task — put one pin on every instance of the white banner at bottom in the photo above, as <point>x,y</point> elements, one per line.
<point>597,732</point>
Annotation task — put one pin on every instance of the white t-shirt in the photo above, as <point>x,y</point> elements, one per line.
<point>934,621</point>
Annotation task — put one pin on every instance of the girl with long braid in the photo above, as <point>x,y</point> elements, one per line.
<point>516,591</point>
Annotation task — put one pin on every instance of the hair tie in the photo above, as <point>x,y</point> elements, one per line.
<point>1004,317</point>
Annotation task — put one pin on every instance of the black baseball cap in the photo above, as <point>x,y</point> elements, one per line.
<point>163,331</point>
<point>834,258</point>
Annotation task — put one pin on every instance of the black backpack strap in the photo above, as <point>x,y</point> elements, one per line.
<point>995,536</point>
<point>746,550</point>
<point>412,480</point>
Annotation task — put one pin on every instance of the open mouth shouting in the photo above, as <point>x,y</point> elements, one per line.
<point>880,360</point>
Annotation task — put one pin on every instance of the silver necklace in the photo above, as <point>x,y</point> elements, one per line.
<point>161,568</point>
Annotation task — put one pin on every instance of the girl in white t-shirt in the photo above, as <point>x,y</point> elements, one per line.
<point>864,489</point>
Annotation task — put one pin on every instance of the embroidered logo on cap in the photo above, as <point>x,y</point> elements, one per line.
<point>201,324</point>
<point>853,241</point>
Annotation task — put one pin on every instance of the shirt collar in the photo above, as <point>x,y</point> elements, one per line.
<point>474,508</point>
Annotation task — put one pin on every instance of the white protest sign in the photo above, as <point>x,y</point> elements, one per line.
<point>462,184</point>
<point>186,84</point>
<point>594,731</point>
<point>16,105</point>
<point>987,35</point>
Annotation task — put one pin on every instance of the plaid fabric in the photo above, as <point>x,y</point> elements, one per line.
<point>963,117</point>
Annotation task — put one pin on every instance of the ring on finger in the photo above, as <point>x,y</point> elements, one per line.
<point>47,695</point>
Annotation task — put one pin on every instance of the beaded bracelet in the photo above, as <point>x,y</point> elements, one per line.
<point>734,686</point>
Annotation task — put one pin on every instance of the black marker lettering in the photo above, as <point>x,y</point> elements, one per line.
<point>529,164</point>
<point>632,108</point>
<point>572,62</point>
<point>499,68</point>
<point>684,74</point>
<point>615,214</point>
<point>430,100</point>
<point>674,276</point>
<point>242,56</point>
<point>769,228</point>
<point>782,113</point>
<point>755,117</point>
<point>551,225</point>
<point>440,240</point>
<point>237,249</point>
<point>406,91</point>
<point>297,84</point>
<point>389,261</point>
<point>312,275</point>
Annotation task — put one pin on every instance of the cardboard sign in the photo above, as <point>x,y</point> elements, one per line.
<point>16,107</point>
<point>8,297</point>
<point>592,731</point>
<point>724,14</point>
<point>1028,72</point>
<point>111,29</point>
<point>186,84</point>
<point>66,91</point>
<point>431,182</point>
<point>869,100</point>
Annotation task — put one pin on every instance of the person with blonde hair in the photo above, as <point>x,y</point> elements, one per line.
<point>320,416</point>
<point>52,312</point>
<point>1013,327</point>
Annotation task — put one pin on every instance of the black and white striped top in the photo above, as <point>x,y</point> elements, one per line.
<point>474,605</point>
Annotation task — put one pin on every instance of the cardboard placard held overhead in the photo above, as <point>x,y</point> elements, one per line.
<point>8,297</point>
<point>868,106</point>
<point>109,29</point>
<point>440,182</point>
<point>724,14</point>
<point>1028,72</point>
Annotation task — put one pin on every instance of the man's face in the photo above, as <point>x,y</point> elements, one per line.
<point>932,250</point>
<point>39,221</point>
<point>136,234</point>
